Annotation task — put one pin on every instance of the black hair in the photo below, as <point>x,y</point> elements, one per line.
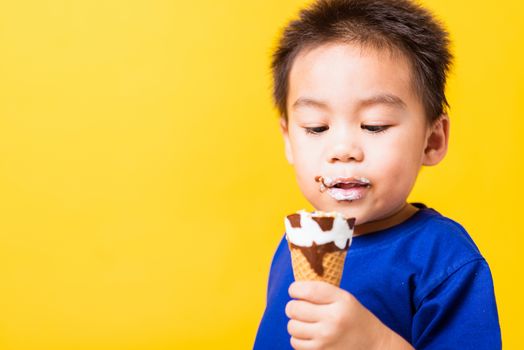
<point>395,24</point>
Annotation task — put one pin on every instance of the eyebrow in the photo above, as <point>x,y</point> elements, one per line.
<point>309,102</point>
<point>386,99</point>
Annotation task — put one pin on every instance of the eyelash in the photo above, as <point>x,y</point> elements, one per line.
<point>374,129</point>
<point>316,130</point>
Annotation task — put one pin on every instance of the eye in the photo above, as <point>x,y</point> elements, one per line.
<point>316,129</point>
<point>375,128</point>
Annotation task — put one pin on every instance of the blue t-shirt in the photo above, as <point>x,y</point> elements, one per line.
<point>424,278</point>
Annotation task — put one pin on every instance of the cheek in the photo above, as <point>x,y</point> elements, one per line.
<point>305,171</point>
<point>306,183</point>
<point>404,148</point>
<point>397,163</point>
<point>306,155</point>
<point>306,167</point>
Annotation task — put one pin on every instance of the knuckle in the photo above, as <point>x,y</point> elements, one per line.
<point>345,297</point>
<point>349,299</point>
<point>337,319</point>
<point>325,333</point>
<point>350,303</point>
<point>338,322</point>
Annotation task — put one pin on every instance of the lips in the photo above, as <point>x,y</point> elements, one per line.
<point>345,188</point>
<point>347,182</point>
<point>351,183</point>
<point>349,194</point>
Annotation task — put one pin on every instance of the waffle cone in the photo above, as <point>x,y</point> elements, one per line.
<point>333,264</point>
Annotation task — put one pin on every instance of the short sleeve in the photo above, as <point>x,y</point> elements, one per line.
<point>460,312</point>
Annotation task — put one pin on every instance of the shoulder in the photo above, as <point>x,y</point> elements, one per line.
<point>442,247</point>
<point>454,300</point>
<point>434,233</point>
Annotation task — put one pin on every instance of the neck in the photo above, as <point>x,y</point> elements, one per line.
<point>400,216</point>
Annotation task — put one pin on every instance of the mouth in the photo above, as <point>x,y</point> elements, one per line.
<point>344,188</point>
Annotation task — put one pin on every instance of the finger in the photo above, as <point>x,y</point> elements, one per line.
<point>303,311</point>
<point>302,344</point>
<point>301,330</point>
<point>316,292</point>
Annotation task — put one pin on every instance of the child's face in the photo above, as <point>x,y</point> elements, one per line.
<point>353,115</point>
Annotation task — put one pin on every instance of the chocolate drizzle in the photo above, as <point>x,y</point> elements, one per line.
<point>315,254</point>
<point>294,220</point>
<point>325,222</point>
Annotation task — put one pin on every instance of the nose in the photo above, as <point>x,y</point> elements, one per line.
<point>346,149</point>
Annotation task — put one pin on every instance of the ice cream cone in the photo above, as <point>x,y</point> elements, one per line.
<point>318,243</point>
<point>332,263</point>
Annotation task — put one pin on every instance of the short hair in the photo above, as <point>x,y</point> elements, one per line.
<point>399,25</point>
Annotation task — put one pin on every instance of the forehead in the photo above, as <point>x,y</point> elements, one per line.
<point>343,74</point>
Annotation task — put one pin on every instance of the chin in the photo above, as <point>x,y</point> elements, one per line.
<point>347,208</point>
<point>352,213</point>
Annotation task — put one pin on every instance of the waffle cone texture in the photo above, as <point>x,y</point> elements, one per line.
<point>333,264</point>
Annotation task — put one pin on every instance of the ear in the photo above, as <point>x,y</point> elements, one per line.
<point>437,141</point>
<point>285,134</point>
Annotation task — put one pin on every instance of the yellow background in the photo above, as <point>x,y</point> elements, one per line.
<point>142,178</point>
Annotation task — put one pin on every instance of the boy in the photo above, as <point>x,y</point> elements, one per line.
<point>360,88</point>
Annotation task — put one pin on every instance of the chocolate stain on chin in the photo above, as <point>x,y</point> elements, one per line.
<point>315,254</point>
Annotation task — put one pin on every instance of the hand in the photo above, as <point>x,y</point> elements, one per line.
<point>327,317</point>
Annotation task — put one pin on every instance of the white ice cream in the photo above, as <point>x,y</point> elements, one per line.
<point>310,230</point>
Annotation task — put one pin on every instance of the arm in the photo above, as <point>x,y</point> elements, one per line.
<point>327,317</point>
<point>459,312</point>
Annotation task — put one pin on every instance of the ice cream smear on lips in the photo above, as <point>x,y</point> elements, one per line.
<point>318,243</point>
<point>344,188</point>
